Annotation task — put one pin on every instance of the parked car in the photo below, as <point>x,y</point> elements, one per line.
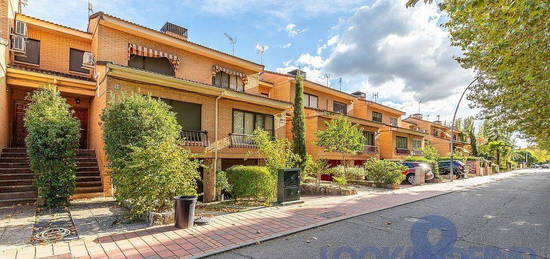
<point>409,173</point>
<point>445,167</point>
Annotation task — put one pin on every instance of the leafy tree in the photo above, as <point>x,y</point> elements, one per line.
<point>315,168</point>
<point>277,151</point>
<point>52,141</point>
<point>148,162</point>
<point>524,156</point>
<point>497,151</point>
<point>506,43</point>
<point>341,136</point>
<point>432,155</point>
<point>469,127</point>
<point>298,122</point>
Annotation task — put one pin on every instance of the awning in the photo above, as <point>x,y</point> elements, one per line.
<point>134,49</point>
<point>216,69</point>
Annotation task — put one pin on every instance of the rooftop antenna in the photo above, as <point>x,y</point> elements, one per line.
<point>233,41</point>
<point>419,102</point>
<point>21,4</point>
<point>340,82</point>
<point>327,76</point>
<point>90,8</point>
<point>375,96</point>
<point>260,50</point>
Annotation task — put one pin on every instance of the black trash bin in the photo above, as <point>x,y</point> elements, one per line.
<point>184,207</point>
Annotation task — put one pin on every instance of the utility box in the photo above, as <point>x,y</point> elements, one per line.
<point>288,185</point>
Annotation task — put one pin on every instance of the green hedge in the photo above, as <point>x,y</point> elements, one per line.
<point>459,158</point>
<point>52,141</point>
<point>252,182</point>
<point>384,171</point>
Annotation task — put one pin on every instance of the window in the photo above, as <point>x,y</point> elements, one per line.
<point>401,142</point>
<point>393,121</point>
<point>157,65</point>
<point>310,100</point>
<point>376,116</point>
<point>340,107</point>
<point>188,115</point>
<point>246,122</point>
<point>32,53</point>
<point>369,135</point>
<point>75,61</point>
<point>225,80</point>
<point>417,144</point>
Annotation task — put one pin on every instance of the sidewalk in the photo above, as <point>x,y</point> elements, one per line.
<point>240,229</point>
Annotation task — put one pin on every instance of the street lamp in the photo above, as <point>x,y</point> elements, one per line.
<point>453,126</point>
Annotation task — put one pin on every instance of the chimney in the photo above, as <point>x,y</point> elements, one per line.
<point>417,115</point>
<point>360,94</point>
<point>437,121</point>
<point>174,31</point>
<point>296,72</point>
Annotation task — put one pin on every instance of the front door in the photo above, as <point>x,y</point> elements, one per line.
<point>19,130</point>
<point>82,115</point>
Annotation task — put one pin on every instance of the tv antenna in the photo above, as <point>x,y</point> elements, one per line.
<point>340,82</point>
<point>90,8</point>
<point>419,102</point>
<point>260,50</point>
<point>375,96</point>
<point>327,76</point>
<point>232,40</point>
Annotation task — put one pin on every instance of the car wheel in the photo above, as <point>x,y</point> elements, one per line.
<point>410,178</point>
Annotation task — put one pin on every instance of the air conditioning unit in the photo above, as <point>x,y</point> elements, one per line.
<point>88,60</point>
<point>21,28</point>
<point>18,44</point>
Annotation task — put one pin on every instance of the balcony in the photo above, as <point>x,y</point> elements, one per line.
<point>242,141</point>
<point>402,151</point>
<point>416,152</point>
<point>194,138</point>
<point>370,149</point>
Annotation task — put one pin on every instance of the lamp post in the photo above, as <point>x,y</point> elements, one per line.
<point>453,127</point>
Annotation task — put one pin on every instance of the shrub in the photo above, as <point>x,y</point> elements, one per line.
<point>153,175</point>
<point>52,141</point>
<point>432,155</point>
<point>348,173</point>
<point>277,151</point>
<point>384,171</point>
<point>149,166</point>
<point>339,180</point>
<point>314,168</point>
<point>222,183</point>
<point>418,159</point>
<point>252,182</point>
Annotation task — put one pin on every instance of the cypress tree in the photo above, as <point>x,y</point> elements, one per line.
<point>298,122</point>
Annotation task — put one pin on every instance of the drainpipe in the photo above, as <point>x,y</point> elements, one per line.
<point>216,132</point>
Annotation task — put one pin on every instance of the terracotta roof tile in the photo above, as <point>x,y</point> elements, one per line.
<point>50,72</point>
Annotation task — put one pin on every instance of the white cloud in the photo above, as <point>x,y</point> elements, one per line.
<point>286,46</point>
<point>293,30</point>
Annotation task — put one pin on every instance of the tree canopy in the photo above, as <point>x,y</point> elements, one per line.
<point>341,136</point>
<point>507,43</point>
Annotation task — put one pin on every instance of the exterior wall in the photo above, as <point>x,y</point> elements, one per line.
<point>95,131</point>
<point>388,143</point>
<point>112,45</point>
<point>54,49</point>
<point>7,14</point>
<point>386,115</point>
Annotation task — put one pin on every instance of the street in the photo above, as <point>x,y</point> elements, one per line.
<point>507,218</point>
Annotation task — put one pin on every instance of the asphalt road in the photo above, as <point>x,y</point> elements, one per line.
<point>509,218</point>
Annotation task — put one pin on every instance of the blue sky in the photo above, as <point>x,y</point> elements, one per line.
<point>376,46</point>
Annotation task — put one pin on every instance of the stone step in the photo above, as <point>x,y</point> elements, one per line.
<point>17,188</point>
<point>13,182</point>
<point>80,190</point>
<point>15,170</point>
<point>14,154</point>
<point>87,168</point>
<point>14,150</point>
<point>88,184</point>
<point>18,195</point>
<point>13,165</point>
<point>87,173</point>
<point>16,176</point>
<point>12,202</point>
<point>88,178</point>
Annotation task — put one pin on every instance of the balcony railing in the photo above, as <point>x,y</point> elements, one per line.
<point>370,149</point>
<point>402,151</point>
<point>242,141</point>
<point>194,138</point>
<point>416,152</point>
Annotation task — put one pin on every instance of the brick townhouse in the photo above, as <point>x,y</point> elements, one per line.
<point>219,99</point>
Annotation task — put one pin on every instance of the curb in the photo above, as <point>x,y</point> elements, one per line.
<point>290,232</point>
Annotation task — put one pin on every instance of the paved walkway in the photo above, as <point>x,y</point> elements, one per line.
<point>238,229</point>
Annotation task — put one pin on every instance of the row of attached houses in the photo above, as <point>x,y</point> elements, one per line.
<point>219,99</point>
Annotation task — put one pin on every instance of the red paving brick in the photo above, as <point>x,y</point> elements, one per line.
<point>233,229</point>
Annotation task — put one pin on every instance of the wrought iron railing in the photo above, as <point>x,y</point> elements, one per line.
<point>402,151</point>
<point>370,149</point>
<point>242,140</point>
<point>195,137</point>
